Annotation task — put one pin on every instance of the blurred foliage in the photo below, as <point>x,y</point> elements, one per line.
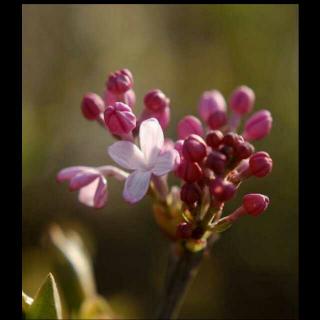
<point>183,50</point>
<point>72,266</point>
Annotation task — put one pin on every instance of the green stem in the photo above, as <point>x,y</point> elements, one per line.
<point>180,273</point>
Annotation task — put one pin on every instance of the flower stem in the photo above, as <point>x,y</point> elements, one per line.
<point>180,273</point>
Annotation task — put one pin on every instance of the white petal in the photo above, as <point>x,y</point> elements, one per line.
<point>127,155</point>
<point>151,140</point>
<point>86,194</point>
<point>136,186</point>
<point>167,145</point>
<point>166,162</point>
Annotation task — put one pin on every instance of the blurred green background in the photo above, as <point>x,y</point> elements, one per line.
<point>183,50</point>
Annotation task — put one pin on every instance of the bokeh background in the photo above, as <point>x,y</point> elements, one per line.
<point>183,50</point>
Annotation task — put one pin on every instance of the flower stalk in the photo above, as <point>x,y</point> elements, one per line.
<point>182,269</point>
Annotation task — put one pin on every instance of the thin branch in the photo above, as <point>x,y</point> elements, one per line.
<point>180,273</point>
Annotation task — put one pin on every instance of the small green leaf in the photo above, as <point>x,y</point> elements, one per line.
<point>46,304</point>
<point>221,225</point>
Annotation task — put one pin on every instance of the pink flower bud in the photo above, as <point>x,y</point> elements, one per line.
<point>92,105</point>
<point>216,162</point>
<point>254,204</point>
<point>178,146</point>
<point>184,230</point>
<point>214,138</point>
<point>155,100</point>
<point>110,98</point>
<point>128,98</point>
<point>242,100</point>
<point>189,171</point>
<point>120,81</point>
<point>244,150</point>
<point>194,148</point>
<point>258,126</point>
<point>189,125</point>
<point>217,119</point>
<point>119,119</point>
<point>260,164</point>
<point>163,117</point>
<point>211,101</point>
<point>222,190</point>
<point>232,139</point>
<point>190,193</point>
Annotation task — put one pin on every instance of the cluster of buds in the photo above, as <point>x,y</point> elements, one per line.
<point>212,160</point>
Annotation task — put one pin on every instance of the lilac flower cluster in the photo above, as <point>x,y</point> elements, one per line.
<point>211,160</point>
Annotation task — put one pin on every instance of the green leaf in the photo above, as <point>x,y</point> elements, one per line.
<point>46,304</point>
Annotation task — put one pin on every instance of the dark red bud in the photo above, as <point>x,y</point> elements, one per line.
<point>216,162</point>
<point>232,139</point>
<point>214,138</point>
<point>222,190</point>
<point>190,193</point>
<point>194,148</point>
<point>244,150</point>
<point>226,150</point>
<point>184,230</point>
<point>189,171</point>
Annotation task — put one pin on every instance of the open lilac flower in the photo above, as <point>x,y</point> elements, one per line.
<point>145,162</point>
<point>92,183</point>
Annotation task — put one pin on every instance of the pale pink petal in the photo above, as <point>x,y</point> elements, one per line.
<point>101,196</point>
<point>86,194</point>
<point>83,178</point>
<point>68,173</point>
<point>136,186</point>
<point>151,139</point>
<point>111,171</point>
<point>167,145</point>
<point>127,155</point>
<point>166,162</point>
